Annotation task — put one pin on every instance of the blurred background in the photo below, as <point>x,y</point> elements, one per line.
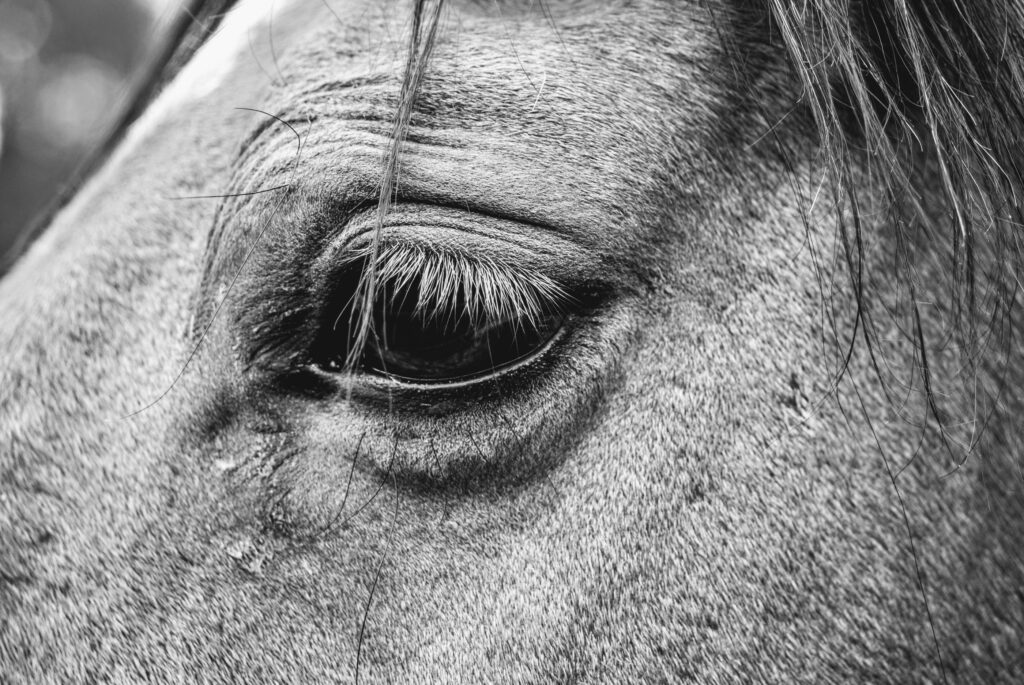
<point>66,70</point>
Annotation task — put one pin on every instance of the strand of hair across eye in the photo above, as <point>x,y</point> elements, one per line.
<point>426,19</point>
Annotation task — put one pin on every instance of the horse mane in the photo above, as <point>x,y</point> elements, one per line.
<point>940,77</point>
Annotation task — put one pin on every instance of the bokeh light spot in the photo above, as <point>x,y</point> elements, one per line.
<point>75,100</point>
<point>24,27</point>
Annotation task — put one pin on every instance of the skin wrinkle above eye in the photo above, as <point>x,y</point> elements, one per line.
<point>342,159</point>
<point>516,173</point>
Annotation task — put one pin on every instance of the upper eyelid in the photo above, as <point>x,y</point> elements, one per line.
<point>483,288</point>
<point>472,237</point>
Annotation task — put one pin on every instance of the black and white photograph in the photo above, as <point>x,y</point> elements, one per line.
<point>583,342</point>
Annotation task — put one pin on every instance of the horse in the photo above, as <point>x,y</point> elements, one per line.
<point>526,342</point>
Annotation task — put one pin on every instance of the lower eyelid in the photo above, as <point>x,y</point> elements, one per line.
<point>402,397</point>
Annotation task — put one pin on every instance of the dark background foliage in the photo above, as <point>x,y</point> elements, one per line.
<point>66,67</point>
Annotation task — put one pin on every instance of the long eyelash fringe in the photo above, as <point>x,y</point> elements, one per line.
<point>450,286</point>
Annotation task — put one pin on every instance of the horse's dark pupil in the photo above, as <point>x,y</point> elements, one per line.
<point>422,349</point>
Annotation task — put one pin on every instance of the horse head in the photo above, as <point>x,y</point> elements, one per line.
<point>531,342</point>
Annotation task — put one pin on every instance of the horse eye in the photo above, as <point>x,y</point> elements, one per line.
<point>442,336</point>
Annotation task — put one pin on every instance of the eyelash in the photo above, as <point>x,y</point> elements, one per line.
<point>489,292</point>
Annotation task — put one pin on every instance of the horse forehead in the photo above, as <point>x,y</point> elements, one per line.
<point>613,27</point>
<point>622,35</point>
<point>506,80</point>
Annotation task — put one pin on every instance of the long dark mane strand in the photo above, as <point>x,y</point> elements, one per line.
<point>426,19</point>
